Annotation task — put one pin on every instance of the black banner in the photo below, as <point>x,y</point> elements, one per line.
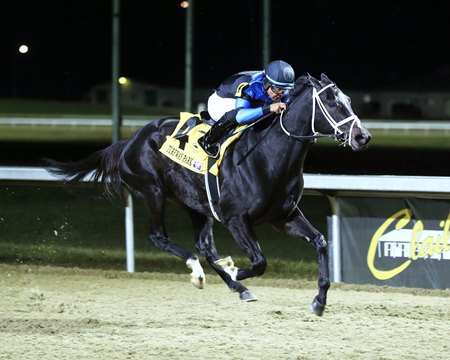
<point>396,242</point>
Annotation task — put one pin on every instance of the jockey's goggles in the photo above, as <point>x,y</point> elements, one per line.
<point>278,90</point>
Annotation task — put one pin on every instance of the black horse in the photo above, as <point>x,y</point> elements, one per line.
<point>261,181</point>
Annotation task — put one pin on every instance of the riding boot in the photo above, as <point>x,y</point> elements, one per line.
<point>209,141</point>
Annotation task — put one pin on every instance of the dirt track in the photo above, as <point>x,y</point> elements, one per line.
<point>56,313</point>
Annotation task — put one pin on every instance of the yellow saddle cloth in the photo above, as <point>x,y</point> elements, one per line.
<point>183,148</point>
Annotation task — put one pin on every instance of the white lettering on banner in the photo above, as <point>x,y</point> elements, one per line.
<point>397,243</point>
<point>411,244</point>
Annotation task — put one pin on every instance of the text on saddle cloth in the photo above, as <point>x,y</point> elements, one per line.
<point>183,148</point>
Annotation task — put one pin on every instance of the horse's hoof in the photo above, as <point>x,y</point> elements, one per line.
<point>317,308</point>
<point>197,275</point>
<point>247,296</point>
<point>198,281</point>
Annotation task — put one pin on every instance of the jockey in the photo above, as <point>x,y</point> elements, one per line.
<point>245,97</point>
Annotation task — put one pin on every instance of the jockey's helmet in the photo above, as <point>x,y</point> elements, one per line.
<point>280,74</point>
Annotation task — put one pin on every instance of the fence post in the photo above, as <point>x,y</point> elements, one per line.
<point>129,232</point>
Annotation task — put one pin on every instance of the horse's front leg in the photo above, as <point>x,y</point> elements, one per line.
<point>244,236</point>
<point>206,246</point>
<point>298,226</point>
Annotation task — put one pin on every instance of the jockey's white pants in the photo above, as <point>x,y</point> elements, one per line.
<point>217,106</point>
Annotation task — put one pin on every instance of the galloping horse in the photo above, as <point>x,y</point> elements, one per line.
<point>261,181</point>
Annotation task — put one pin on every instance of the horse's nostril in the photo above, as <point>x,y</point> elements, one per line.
<point>362,139</point>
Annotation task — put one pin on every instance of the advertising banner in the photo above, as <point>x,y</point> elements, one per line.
<point>395,242</point>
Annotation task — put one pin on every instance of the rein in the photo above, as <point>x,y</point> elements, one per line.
<point>338,133</point>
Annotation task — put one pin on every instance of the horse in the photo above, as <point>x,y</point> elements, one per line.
<point>261,181</point>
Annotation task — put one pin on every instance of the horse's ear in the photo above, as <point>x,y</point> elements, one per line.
<point>301,82</point>
<point>310,78</point>
<point>325,79</point>
<point>313,81</point>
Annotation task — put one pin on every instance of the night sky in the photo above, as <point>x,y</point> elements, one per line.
<point>358,44</point>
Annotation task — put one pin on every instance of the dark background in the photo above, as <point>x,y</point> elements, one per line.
<point>358,44</point>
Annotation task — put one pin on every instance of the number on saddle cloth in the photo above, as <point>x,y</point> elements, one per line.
<point>187,126</point>
<point>182,134</point>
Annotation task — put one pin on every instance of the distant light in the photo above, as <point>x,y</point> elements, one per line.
<point>367,98</point>
<point>123,80</point>
<point>184,4</point>
<point>23,49</point>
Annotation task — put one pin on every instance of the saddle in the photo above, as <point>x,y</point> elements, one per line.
<point>183,148</point>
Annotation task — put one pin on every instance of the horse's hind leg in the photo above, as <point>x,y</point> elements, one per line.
<point>298,226</point>
<point>155,200</point>
<point>206,247</point>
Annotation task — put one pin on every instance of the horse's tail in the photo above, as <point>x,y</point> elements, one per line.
<point>101,167</point>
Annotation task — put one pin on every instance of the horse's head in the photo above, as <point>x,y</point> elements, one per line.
<point>332,114</point>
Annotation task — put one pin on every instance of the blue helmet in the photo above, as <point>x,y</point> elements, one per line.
<point>280,74</point>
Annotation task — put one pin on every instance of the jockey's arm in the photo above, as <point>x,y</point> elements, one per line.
<point>245,113</point>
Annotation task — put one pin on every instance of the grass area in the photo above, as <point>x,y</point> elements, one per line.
<point>110,259</point>
<point>416,139</point>
<point>78,227</point>
<point>401,139</point>
<point>413,139</point>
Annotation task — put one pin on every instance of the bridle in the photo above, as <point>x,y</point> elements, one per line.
<point>339,135</point>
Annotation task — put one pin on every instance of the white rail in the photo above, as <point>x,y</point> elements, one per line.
<point>135,121</point>
<point>386,184</point>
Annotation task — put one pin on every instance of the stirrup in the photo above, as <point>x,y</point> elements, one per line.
<point>213,150</point>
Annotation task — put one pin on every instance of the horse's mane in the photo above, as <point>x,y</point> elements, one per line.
<point>300,85</point>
